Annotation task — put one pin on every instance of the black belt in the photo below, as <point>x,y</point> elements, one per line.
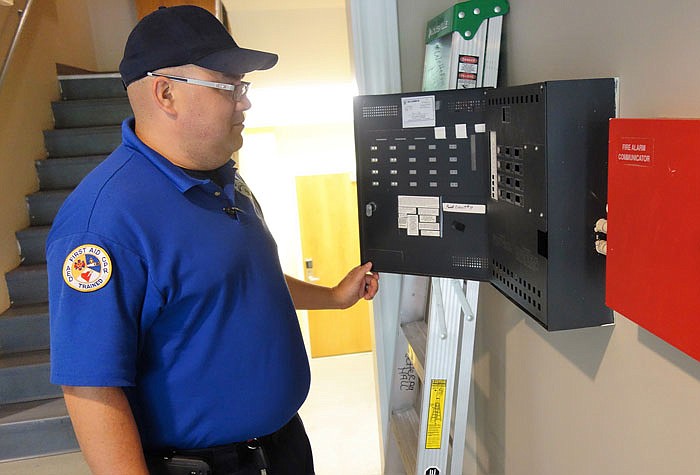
<point>235,456</point>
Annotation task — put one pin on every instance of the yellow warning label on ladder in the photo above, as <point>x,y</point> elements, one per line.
<point>436,411</point>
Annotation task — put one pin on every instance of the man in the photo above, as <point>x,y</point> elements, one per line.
<point>173,329</point>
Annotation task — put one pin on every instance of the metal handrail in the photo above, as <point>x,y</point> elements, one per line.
<point>24,13</point>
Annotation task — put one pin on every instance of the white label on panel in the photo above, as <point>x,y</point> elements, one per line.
<point>412,222</point>
<point>418,111</point>
<point>429,226</point>
<point>463,208</point>
<point>430,233</point>
<point>479,128</point>
<point>419,201</point>
<point>461,131</point>
<point>429,211</point>
<point>440,133</point>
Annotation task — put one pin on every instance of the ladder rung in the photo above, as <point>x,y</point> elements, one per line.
<point>416,334</point>
<point>404,426</point>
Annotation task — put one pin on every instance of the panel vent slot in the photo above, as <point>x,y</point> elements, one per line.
<point>470,262</point>
<point>510,100</point>
<point>380,111</point>
<point>472,105</point>
<point>529,295</point>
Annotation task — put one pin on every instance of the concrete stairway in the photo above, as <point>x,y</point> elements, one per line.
<point>33,417</point>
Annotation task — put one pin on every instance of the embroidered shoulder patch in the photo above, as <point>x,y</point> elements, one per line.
<point>87,268</point>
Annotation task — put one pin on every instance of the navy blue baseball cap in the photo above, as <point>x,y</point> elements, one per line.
<point>175,36</point>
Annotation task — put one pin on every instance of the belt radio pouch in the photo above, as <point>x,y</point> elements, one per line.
<point>178,465</point>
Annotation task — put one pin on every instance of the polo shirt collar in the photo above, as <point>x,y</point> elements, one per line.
<point>179,177</point>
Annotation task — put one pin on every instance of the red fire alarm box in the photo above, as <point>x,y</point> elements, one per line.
<point>653,262</point>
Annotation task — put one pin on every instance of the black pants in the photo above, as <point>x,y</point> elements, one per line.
<point>288,452</point>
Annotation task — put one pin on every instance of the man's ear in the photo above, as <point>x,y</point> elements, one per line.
<point>162,92</point>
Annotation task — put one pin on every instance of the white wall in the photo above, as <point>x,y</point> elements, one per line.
<point>605,401</point>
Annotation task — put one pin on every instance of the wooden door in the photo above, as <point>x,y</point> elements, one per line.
<point>330,239</point>
<point>144,7</point>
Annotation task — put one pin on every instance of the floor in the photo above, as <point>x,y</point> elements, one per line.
<point>340,416</point>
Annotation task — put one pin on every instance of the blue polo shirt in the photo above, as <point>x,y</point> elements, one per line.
<point>157,285</point>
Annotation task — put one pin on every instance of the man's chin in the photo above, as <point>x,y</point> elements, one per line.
<point>237,144</point>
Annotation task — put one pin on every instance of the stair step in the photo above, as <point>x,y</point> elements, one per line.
<point>91,112</point>
<point>24,328</point>
<point>82,141</point>
<point>91,86</point>
<point>25,377</point>
<point>28,285</point>
<point>32,244</point>
<point>35,429</point>
<point>43,206</point>
<point>61,173</point>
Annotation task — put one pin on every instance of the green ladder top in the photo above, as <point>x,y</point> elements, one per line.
<point>465,18</point>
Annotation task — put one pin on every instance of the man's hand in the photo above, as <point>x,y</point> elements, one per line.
<point>360,283</point>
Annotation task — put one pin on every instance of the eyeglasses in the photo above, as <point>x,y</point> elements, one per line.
<point>237,90</point>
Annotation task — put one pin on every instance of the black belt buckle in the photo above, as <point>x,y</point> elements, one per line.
<point>178,465</point>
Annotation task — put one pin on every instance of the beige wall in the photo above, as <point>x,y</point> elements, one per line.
<point>25,105</point>
<point>4,12</point>
<point>111,22</point>
<point>7,24</point>
<point>310,36</point>
<point>93,34</point>
<point>605,401</point>
<point>75,43</point>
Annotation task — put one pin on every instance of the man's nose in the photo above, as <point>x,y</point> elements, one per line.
<point>244,104</point>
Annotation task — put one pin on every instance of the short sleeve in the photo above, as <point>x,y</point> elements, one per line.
<point>97,290</point>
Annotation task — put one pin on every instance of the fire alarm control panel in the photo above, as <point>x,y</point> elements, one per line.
<point>422,176</point>
<point>498,184</point>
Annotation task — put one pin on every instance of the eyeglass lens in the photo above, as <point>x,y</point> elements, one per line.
<point>240,91</point>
